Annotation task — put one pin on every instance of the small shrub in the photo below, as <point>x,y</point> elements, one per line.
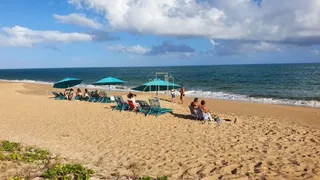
<point>68,171</point>
<point>35,154</point>
<point>149,178</point>
<point>15,156</point>
<point>162,178</point>
<point>16,178</point>
<point>2,157</point>
<point>145,178</point>
<point>9,146</point>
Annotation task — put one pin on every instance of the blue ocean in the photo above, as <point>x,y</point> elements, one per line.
<point>288,84</point>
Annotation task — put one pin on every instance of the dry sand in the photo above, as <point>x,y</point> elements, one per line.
<point>266,142</point>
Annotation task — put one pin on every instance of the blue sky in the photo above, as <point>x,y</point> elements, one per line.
<point>104,33</point>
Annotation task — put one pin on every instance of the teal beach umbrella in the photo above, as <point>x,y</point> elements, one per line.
<point>157,85</point>
<point>67,82</point>
<point>108,81</point>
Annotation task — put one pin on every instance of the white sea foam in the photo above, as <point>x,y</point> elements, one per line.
<point>203,94</point>
<point>27,81</point>
<point>238,97</point>
<point>112,87</point>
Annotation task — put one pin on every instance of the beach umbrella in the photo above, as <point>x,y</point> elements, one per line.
<point>67,82</point>
<point>157,85</point>
<point>108,81</point>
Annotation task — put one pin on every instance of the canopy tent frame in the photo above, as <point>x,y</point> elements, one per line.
<point>162,86</point>
<point>167,78</point>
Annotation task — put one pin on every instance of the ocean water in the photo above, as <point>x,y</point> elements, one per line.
<point>289,84</point>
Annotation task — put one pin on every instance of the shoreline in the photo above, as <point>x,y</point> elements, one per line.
<point>190,94</point>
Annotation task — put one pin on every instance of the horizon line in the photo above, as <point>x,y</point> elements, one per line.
<point>162,66</point>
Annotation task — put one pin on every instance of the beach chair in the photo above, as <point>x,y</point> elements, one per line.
<point>144,107</point>
<point>121,104</point>
<point>77,98</point>
<point>194,114</point>
<point>58,96</point>
<point>94,97</point>
<point>156,109</point>
<point>107,99</point>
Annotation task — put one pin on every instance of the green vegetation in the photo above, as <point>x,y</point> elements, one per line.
<point>9,146</point>
<point>149,178</point>
<point>11,151</point>
<point>16,178</point>
<point>15,152</point>
<point>68,171</point>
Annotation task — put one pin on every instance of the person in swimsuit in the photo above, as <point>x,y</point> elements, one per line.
<point>79,94</point>
<point>85,96</point>
<point>71,94</point>
<point>182,94</point>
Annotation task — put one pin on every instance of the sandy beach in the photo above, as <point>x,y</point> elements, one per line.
<point>266,142</point>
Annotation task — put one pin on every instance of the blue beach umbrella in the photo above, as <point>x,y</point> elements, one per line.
<point>67,82</point>
<point>157,85</point>
<point>108,81</point>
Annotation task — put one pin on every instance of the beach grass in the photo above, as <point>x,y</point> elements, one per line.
<point>45,164</point>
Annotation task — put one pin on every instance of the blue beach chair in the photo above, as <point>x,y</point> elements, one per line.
<point>143,108</point>
<point>58,96</point>
<point>106,98</point>
<point>156,109</point>
<point>121,104</point>
<point>94,97</point>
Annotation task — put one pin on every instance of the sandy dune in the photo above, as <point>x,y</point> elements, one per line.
<point>126,144</point>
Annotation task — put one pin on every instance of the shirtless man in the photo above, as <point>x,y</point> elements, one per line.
<point>195,105</point>
<point>205,111</point>
<point>182,91</point>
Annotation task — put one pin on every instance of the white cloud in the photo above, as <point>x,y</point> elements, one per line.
<point>273,20</point>
<point>164,49</point>
<point>137,49</point>
<point>18,36</point>
<point>78,19</point>
<point>213,42</point>
<point>315,52</point>
<point>244,48</point>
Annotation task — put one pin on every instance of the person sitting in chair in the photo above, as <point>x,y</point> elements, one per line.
<point>132,98</point>
<point>66,93</point>
<point>205,111</point>
<point>85,96</point>
<point>195,105</point>
<point>79,94</point>
<point>71,93</point>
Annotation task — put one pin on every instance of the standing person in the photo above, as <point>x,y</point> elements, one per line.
<point>173,95</point>
<point>182,94</point>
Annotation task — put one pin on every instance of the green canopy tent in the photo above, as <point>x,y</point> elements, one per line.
<point>108,81</point>
<point>67,83</point>
<point>157,85</point>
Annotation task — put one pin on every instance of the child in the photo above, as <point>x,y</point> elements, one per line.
<point>173,95</point>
